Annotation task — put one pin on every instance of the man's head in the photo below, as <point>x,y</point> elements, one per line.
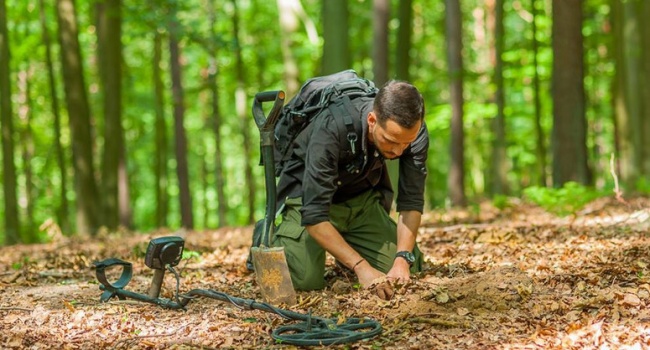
<point>396,118</point>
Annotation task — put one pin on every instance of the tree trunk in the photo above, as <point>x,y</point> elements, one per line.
<point>240,105</point>
<point>499,183</point>
<point>540,149</point>
<point>404,32</point>
<point>62,212</point>
<point>642,16</point>
<point>79,114</point>
<point>30,235</point>
<point>115,199</point>
<point>288,28</point>
<point>12,224</point>
<point>336,51</point>
<point>456,177</point>
<point>187,219</point>
<point>380,65</point>
<point>569,122</point>
<point>216,120</point>
<point>160,164</point>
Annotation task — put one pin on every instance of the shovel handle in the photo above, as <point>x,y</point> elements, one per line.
<point>267,123</point>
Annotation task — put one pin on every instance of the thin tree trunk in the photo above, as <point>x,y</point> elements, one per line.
<point>187,219</point>
<point>62,213</point>
<point>403,57</point>
<point>569,122</point>
<point>642,16</point>
<point>160,164</point>
<point>27,146</point>
<point>456,177</point>
<point>116,206</point>
<point>240,103</point>
<point>288,27</point>
<point>336,51</point>
<point>540,149</point>
<point>213,73</point>
<point>380,65</point>
<point>499,183</point>
<point>12,224</point>
<point>79,114</point>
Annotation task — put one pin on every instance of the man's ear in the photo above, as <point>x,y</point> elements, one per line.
<point>372,119</point>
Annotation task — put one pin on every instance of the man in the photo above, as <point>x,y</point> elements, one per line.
<point>337,199</point>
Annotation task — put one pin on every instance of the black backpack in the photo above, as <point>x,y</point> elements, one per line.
<point>335,91</point>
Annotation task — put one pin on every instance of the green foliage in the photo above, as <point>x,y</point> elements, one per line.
<point>500,201</point>
<point>562,201</point>
<point>189,254</point>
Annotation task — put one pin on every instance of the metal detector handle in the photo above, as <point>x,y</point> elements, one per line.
<point>267,123</point>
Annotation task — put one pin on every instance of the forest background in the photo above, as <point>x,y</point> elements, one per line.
<point>137,115</point>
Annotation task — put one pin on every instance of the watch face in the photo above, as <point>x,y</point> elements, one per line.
<point>408,256</point>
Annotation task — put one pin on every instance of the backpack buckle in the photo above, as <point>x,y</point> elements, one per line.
<point>352,138</point>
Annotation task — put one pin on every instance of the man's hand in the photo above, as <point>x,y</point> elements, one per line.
<point>373,279</point>
<point>400,271</point>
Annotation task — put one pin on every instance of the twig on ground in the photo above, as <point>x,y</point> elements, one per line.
<point>12,308</point>
<point>438,322</point>
<point>617,190</point>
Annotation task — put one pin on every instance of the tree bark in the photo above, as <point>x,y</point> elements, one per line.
<point>288,27</point>
<point>499,183</point>
<point>216,120</point>
<point>540,149</point>
<point>456,177</point>
<point>62,213</point>
<point>185,197</point>
<point>240,105</point>
<point>569,121</point>
<point>380,64</point>
<point>336,51</point>
<point>79,114</point>
<point>162,148</point>
<point>12,224</point>
<point>114,181</point>
<point>30,234</point>
<point>404,33</point>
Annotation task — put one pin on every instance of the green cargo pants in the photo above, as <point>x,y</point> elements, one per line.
<point>363,223</point>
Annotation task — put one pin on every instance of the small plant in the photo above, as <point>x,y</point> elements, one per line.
<point>500,201</point>
<point>562,201</point>
<point>189,254</point>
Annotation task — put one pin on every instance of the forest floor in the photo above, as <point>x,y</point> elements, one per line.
<point>517,278</point>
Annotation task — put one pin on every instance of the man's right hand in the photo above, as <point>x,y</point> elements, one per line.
<point>371,278</point>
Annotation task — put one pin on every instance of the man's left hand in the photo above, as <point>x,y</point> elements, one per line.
<point>400,271</point>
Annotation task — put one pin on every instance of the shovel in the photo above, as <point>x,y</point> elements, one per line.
<point>270,263</point>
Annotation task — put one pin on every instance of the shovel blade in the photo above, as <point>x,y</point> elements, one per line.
<point>272,275</point>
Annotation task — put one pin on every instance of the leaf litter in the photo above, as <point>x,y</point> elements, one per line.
<point>518,278</point>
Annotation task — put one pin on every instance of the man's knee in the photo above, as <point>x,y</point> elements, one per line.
<point>311,281</point>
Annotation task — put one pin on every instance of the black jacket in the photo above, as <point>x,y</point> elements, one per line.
<point>323,169</point>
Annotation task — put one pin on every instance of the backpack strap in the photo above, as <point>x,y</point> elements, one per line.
<point>344,106</point>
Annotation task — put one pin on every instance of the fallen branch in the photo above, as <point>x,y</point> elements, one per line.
<point>439,322</point>
<point>12,308</point>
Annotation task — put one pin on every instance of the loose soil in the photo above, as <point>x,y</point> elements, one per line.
<point>517,278</point>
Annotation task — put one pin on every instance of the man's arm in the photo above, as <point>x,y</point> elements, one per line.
<point>331,240</point>
<point>408,224</point>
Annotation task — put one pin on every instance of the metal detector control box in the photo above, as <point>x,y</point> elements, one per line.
<point>164,251</point>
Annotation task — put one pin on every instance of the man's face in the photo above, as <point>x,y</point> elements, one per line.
<point>391,139</point>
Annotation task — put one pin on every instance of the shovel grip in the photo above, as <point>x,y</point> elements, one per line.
<point>267,122</point>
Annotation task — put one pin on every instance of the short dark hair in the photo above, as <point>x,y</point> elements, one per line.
<point>401,102</point>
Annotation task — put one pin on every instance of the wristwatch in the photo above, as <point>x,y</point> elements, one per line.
<point>408,256</point>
